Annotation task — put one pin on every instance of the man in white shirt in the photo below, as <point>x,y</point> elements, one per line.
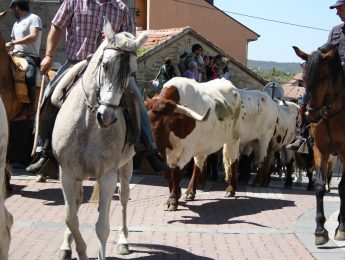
<point>26,40</point>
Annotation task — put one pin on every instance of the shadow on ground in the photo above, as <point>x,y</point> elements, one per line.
<point>158,252</point>
<point>224,210</point>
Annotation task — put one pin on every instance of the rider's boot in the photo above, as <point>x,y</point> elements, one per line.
<point>147,145</point>
<point>47,121</point>
<point>295,145</point>
<point>41,161</point>
<point>304,132</point>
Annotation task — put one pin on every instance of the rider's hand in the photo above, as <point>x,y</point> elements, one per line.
<point>46,64</point>
<point>9,45</point>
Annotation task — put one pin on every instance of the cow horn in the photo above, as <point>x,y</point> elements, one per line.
<point>192,114</point>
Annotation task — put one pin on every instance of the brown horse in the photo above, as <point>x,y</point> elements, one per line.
<point>324,80</point>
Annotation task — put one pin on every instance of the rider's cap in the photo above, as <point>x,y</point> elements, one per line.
<point>14,2</point>
<point>338,3</point>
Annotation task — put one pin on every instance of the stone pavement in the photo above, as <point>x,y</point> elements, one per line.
<point>259,223</point>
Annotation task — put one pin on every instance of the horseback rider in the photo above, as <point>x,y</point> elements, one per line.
<point>83,22</point>
<point>337,38</point>
<point>25,42</point>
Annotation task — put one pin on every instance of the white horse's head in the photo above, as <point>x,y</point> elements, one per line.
<point>117,63</point>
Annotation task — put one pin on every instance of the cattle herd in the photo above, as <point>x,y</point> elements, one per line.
<point>240,121</point>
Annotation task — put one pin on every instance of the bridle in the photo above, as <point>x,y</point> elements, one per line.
<point>101,64</point>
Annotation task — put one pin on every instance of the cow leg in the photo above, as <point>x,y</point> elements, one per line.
<point>232,181</point>
<point>230,162</point>
<point>310,186</point>
<point>175,194</point>
<point>198,165</point>
<point>244,169</point>
<point>289,170</point>
<point>321,234</point>
<point>329,179</point>
<point>340,231</point>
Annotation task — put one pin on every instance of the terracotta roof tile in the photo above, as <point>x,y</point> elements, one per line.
<point>156,37</point>
<point>293,89</point>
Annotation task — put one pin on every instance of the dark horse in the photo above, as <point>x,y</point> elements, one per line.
<point>324,80</point>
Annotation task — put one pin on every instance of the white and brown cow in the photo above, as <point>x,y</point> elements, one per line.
<point>258,119</point>
<point>285,132</point>
<point>180,138</point>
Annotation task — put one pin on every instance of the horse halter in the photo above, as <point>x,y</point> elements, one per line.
<point>100,64</point>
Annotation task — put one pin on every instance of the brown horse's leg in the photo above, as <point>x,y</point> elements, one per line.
<point>340,231</point>
<point>321,234</point>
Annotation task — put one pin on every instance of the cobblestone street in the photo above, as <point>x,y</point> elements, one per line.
<point>259,223</point>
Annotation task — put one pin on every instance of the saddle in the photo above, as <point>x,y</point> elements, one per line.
<point>19,68</point>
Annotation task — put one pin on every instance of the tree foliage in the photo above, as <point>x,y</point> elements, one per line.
<point>275,76</point>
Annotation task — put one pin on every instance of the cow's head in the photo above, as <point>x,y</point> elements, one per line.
<point>166,116</point>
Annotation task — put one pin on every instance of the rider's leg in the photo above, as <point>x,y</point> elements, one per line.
<point>47,120</point>
<point>303,132</point>
<point>148,144</point>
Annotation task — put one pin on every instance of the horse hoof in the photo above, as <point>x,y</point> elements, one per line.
<point>172,208</point>
<point>190,196</point>
<point>321,240</point>
<point>65,254</point>
<point>339,235</point>
<point>122,249</point>
<point>40,178</point>
<point>166,207</point>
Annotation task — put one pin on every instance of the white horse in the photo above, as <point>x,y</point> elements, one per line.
<point>6,219</point>
<point>89,139</point>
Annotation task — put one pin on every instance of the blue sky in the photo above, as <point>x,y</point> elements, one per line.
<point>276,40</point>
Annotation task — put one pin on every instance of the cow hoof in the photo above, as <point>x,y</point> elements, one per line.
<point>40,178</point>
<point>65,254</point>
<point>172,208</point>
<point>190,196</point>
<point>339,235</point>
<point>321,240</point>
<point>122,249</point>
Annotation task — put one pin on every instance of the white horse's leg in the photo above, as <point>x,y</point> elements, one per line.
<point>73,194</point>
<point>125,174</point>
<point>107,183</point>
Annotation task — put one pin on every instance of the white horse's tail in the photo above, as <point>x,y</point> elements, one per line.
<point>95,193</point>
